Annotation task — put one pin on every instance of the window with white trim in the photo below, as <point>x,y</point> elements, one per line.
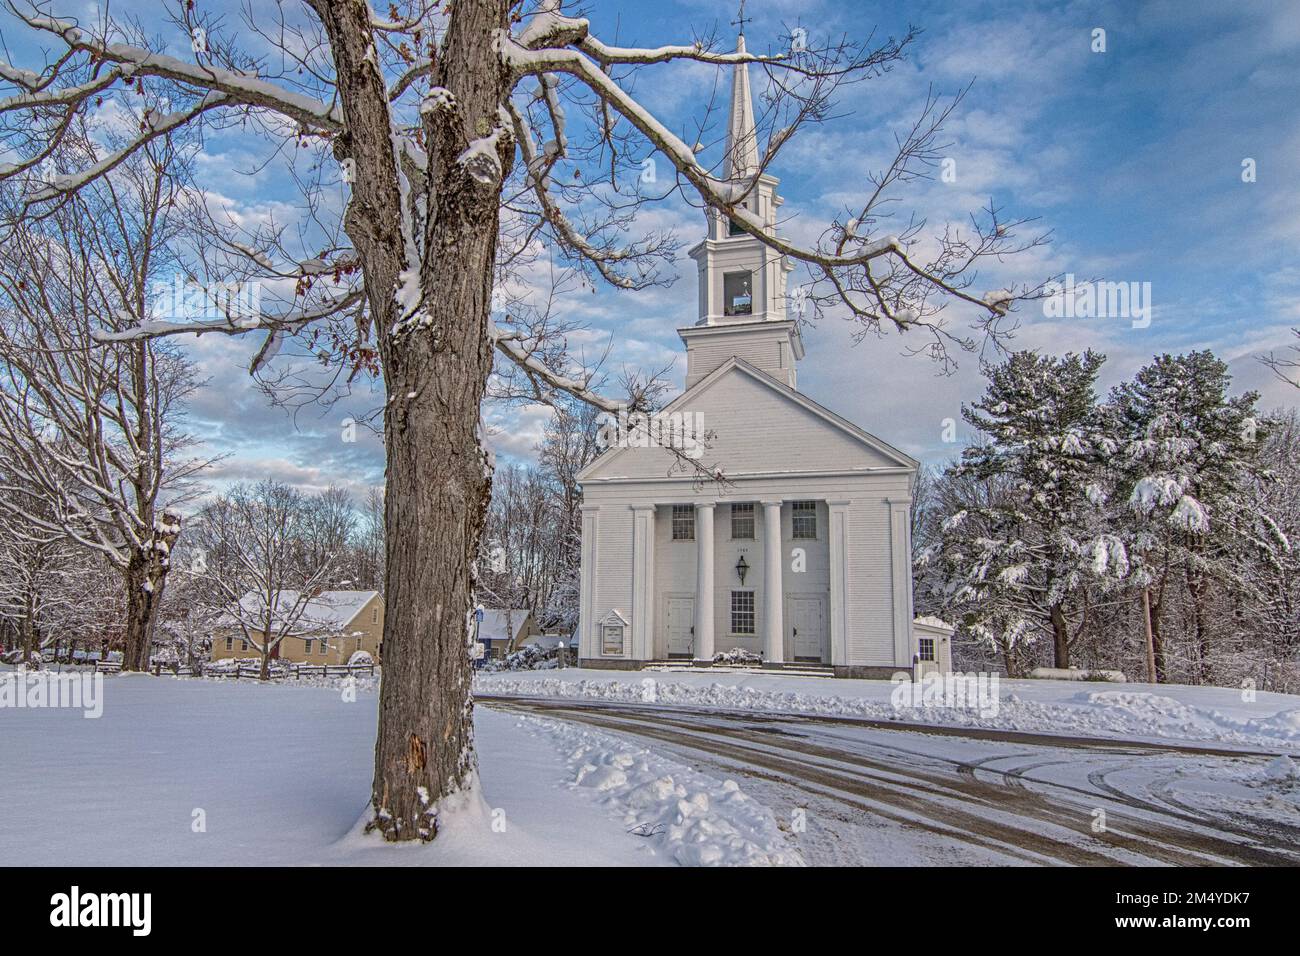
<point>230,643</point>
<point>925,647</point>
<point>742,612</point>
<point>803,519</point>
<point>307,641</point>
<point>683,522</point>
<point>742,520</point>
<point>374,615</point>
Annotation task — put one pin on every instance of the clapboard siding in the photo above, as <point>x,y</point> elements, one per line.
<point>869,630</point>
<point>762,349</point>
<point>756,429</point>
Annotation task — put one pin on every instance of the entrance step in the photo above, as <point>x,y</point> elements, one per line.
<point>784,670</point>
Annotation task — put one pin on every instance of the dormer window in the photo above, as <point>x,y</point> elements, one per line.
<point>736,295</point>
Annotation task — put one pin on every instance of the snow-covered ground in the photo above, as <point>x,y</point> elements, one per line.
<point>1223,716</point>
<point>658,768</point>
<point>279,774</point>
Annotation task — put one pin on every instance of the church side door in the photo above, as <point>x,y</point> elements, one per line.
<point>680,625</point>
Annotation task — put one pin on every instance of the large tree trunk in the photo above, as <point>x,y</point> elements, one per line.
<point>439,480</point>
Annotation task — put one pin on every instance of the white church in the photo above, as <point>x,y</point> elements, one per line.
<point>802,556</point>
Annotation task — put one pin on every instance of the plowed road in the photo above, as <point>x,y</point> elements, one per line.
<point>856,791</point>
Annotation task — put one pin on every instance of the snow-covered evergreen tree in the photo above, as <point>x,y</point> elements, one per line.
<point>1183,472</point>
<point>1014,562</point>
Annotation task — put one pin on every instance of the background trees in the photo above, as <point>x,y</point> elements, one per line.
<point>1171,486</point>
<point>260,558</point>
<point>91,437</point>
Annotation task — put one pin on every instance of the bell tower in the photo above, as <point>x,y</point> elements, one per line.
<point>742,281</point>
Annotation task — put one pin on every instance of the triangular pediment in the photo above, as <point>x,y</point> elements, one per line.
<point>756,425</point>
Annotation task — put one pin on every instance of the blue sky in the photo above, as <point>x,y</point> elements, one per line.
<point>1131,157</point>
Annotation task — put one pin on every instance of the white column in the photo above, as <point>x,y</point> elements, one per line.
<point>901,568</point>
<point>773,588</point>
<point>588,646</point>
<point>643,562</point>
<point>839,563</point>
<point>704,582</point>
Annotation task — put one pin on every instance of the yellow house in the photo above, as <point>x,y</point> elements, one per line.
<point>505,630</point>
<point>333,626</point>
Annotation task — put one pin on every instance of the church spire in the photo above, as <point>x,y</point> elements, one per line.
<point>742,137</point>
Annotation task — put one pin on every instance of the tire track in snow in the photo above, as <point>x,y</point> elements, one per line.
<point>938,799</point>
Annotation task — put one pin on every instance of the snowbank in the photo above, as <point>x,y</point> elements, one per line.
<point>696,820</point>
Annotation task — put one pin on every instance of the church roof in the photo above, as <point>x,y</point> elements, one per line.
<point>734,365</point>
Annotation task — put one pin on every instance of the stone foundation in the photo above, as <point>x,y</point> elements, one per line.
<point>869,671</point>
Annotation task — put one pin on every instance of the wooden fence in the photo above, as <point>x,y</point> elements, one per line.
<point>295,671</point>
<point>292,671</point>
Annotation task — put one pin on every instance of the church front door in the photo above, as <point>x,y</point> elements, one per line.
<point>807,628</point>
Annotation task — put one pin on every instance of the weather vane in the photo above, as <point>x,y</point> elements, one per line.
<point>741,19</point>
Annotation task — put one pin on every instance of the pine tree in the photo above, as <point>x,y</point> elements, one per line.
<point>1185,462</point>
<point>1016,561</point>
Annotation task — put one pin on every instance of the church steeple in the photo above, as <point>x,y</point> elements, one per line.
<point>742,301</point>
<point>741,160</point>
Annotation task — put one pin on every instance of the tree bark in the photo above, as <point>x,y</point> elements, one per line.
<point>1148,633</point>
<point>1060,637</point>
<point>1200,634</point>
<point>438,478</point>
<point>1157,641</point>
<point>145,577</point>
<point>28,628</point>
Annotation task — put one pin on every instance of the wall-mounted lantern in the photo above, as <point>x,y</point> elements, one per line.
<point>742,568</point>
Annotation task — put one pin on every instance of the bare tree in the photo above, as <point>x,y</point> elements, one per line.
<point>42,579</point>
<point>369,542</point>
<point>471,139</point>
<point>1286,366</point>
<point>90,434</point>
<point>257,567</point>
<point>328,526</point>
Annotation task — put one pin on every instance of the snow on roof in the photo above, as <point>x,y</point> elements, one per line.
<point>327,611</point>
<point>933,622</point>
<point>493,627</point>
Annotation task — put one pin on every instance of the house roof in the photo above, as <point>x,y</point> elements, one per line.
<point>740,366</point>
<point>328,611</point>
<point>493,626</point>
